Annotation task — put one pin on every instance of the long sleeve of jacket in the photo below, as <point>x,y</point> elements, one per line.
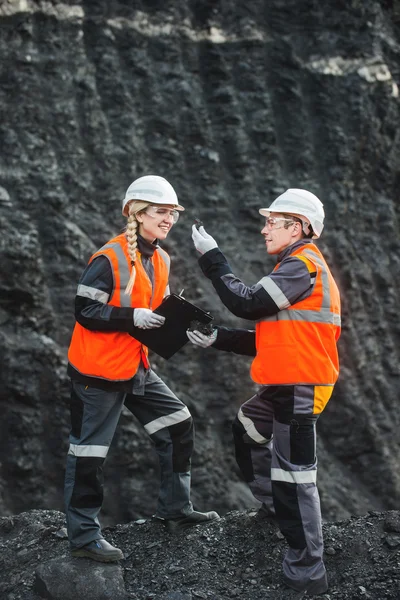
<point>91,308</point>
<point>290,282</point>
<point>238,341</point>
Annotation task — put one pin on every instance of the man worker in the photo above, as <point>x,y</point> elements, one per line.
<point>297,312</point>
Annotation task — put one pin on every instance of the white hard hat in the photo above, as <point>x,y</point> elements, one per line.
<point>151,188</point>
<point>302,204</point>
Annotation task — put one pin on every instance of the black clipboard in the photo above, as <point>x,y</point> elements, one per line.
<point>171,336</point>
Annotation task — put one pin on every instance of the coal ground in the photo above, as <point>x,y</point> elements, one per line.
<point>237,557</point>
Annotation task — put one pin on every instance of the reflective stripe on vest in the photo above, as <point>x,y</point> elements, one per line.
<point>115,356</point>
<point>123,268</point>
<point>297,345</point>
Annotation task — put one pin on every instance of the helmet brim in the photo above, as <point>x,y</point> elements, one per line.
<point>176,206</point>
<point>127,202</point>
<point>265,212</point>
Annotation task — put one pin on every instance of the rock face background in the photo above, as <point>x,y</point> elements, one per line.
<point>232,103</point>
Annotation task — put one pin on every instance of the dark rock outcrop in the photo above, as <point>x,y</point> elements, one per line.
<point>232,102</point>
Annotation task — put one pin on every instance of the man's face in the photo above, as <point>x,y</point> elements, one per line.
<point>280,232</point>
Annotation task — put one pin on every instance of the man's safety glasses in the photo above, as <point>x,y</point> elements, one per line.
<point>273,222</point>
<point>162,213</point>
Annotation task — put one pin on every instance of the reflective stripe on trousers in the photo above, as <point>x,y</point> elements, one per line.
<point>94,417</point>
<point>275,444</point>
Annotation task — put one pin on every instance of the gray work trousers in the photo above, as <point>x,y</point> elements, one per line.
<point>275,445</point>
<point>94,417</point>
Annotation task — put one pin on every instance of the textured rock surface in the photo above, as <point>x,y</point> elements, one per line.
<point>236,557</point>
<point>68,579</point>
<point>232,102</point>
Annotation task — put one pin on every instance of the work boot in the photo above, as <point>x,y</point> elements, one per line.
<point>194,518</point>
<point>99,550</point>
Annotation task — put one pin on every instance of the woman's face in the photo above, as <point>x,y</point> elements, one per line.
<point>156,221</point>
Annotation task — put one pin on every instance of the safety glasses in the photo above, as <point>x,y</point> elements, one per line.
<point>158,212</point>
<point>273,222</point>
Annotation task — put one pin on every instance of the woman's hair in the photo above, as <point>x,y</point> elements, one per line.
<point>134,208</point>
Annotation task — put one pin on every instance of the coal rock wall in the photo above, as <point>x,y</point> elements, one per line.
<point>232,103</point>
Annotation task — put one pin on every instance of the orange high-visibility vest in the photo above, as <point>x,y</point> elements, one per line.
<point>115,356</point>
<point>297,345</point>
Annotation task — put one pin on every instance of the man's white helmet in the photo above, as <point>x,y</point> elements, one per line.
<point>151,188</point>
<point>300,203</point>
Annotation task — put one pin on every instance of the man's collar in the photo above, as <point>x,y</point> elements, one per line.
<point>285,253</point>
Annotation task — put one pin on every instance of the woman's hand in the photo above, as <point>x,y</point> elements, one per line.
<point>144,318</point>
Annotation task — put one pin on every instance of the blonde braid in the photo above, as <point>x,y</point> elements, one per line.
<point>131,236</point>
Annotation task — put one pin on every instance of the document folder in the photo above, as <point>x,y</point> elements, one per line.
<point>171,336</point>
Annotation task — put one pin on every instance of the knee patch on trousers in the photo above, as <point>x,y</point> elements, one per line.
<point>88,485</point>
<point>242,451</point>
<point>76,412</point>
<point>182,445</point>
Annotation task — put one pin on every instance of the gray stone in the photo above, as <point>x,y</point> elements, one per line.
<point>81,578</point>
